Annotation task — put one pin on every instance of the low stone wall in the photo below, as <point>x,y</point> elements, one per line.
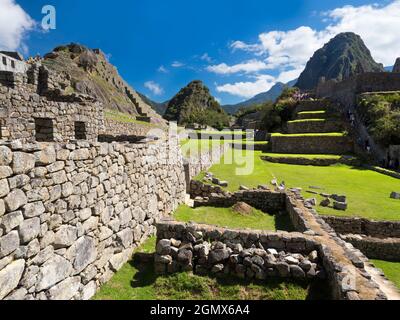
<point>311,162</point>
<point>267,201</point>
<point>376,248</point>
<point>387,172</point>
<point>71,214</point>
<point>242,253</point>
<point>311,144</point>
<point>376,229</point>
<point>314,126</point>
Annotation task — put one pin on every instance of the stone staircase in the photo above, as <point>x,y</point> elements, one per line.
<point>315,130</point>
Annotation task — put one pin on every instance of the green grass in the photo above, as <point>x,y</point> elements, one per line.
<point>368,192</point>
<point>196,146</point>
<point>124,117</point>
<point>313,112</point>
<point>136,281</point>
<point>330,134</point>
<point>307,120</point>
<point>390,269</point>
<point>226,217</point>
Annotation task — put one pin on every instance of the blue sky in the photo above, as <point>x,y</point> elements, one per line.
<point>238,48</point>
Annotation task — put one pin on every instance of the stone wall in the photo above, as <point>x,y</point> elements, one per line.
<point>387,249</point>
<point>23,109</point>
<point>377,229</point>
<point>311,126</point>
<point>242,253</point>
<point>346,91</point>
<point>265,200</point>
<point>311,144</point>
<point>323,162</point>
<point>71,214</point>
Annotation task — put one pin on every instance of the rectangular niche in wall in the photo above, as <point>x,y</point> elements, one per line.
<point>44,129</point>
<point>80,130</point>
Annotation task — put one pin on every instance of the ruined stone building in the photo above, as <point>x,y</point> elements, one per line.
<point>34,108</point>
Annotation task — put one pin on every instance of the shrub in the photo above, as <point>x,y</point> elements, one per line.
<point>381,115</point>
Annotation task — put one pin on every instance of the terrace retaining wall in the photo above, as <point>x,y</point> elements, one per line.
<point>311,144</point>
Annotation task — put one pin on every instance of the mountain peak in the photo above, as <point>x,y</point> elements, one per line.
<point>195,104</point>
<point>343,56</point>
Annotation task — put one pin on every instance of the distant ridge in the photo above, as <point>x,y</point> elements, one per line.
<point>270,95</point>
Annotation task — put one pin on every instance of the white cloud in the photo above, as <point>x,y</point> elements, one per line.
<point>286,76</point>
<point>177,64</point>
<point>206,57</point>
<point>154,87</point>
<point>250,88</point>
<point>14,24</point>
<point>378,26</point>
<point>250,66</point>
<point>162,69</point>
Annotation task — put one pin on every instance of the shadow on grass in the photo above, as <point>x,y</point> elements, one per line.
<point>145,275</point>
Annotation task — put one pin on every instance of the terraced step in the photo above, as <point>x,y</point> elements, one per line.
<point>310,105</point>
<point>319,114</point>
<point>316,143</point>
<point>309,159</point>
<point>314,126</point>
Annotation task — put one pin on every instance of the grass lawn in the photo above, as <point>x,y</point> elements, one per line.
<point>135,281</point>
<point>307,120</point>
<point>313,112</point>
<point>368,192</point>
<point>125,117</point>
<point>226,217</point>
<point>197,146</point>
<point>391,270</point>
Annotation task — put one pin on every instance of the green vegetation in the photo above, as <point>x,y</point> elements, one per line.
<point>226,217</point>
<point>125,117</point>
<point>307,120</point>
<point>194,104</point>
<point>391,270</point>
<point>368,192</point>
<point>137,281</point>
<point>275,115</point>
<point>312,112</point>
<point>198,146</point>
<point>381,114</point>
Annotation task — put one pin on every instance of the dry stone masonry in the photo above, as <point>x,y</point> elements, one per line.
<point>71,214</point>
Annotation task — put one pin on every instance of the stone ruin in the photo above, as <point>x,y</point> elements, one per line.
<point>33,108</point>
